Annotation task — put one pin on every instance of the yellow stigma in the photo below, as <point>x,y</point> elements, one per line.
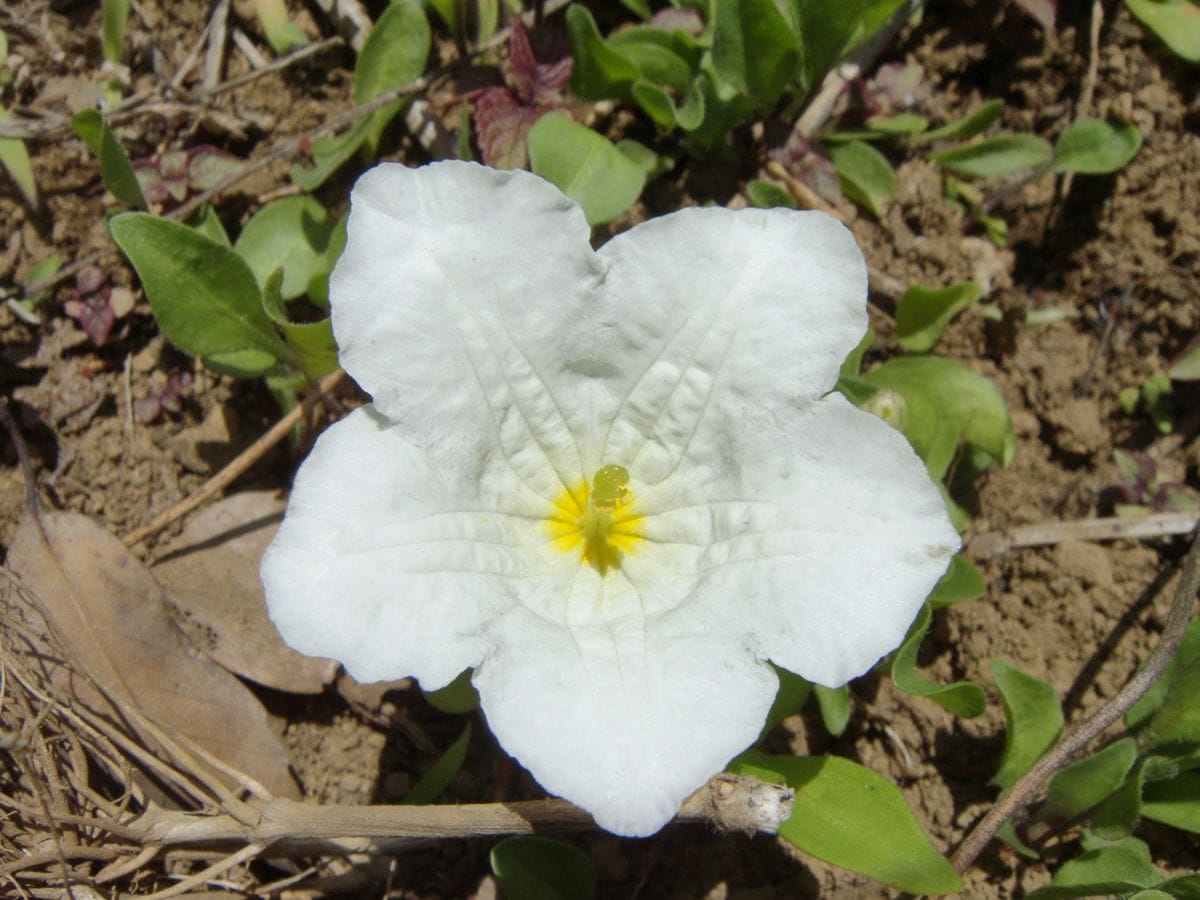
<point>598,521</point>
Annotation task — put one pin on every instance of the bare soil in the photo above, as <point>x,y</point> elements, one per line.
<point>1117,258</point>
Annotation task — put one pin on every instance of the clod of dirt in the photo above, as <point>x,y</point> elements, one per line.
<point>112,615</point>
<point>211,577</point>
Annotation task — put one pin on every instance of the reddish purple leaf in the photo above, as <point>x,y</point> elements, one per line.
<point>94,316</point>
<point>207,165</point>
<point>501,124</point>
<point>538,72</point>
<point>894,87</point>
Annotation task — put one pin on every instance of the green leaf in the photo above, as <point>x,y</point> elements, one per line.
<point>282,33</point>
<point>855,818</point>
<point>897,126</point>
<point>291,233</point>
<point>975,122</point>
<point>941,393</point>
<point>1118,868</point>
<point>441,773</point>
<point>656,103</point>
<point>1182,887</point>
<point>208,223</point>
<point>1095,147</point>
<point>395,54</point>
<point>1034,719</point>
<point>852,364</point>
<point>922,314</point>
<point>653,164</point>
<point>1001,155</point>
<point>793,691</point>
<point>329,155</point>
<point>1176,23</point>
<point>766,194</point>
<point>962,582</point>
<point>755,48</point>
<point>15,159</point>
<point>828,30</point>
<point>318,286</point>
<point>1084,784</point>
<point>1178,718</point>
<point>1188,652</point>
<point>204,297</point>
<point>1175,802</point>
<point>312,341</point>
<point>835,707</point>
<point>458,697</point>
<point>112,38</point>
<point>963,698</point>
<point>115,167</point>
<point>585,166</point>
<point>601,71</point>
<point>660,56</point>
<point>537,868</point>
<point>866,175</point>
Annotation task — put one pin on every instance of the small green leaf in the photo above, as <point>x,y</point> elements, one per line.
<point>115,167</point>
<point>941,392</point>
<point>852,364</point>
<point>835,707</point>
<point>1181,887</point>
<point>1187,653</point>
<point>112,40</point>
<point>601,71</point>
<point>312,341</point>
<point>1001,155</point>
<point>975,122</point>
<point>1176,23</point>
<point>441,773</point>
<point>660,56</point>
<point>458,697</point>
<point>855,818</point>
<point>1084,784</point>
<point>899,125</point>
<point>15,159</point>
<point>866,175</point>
<point>585,166</point>
<point>766,194</point>
<point>1175,802</point>
<point>329,155</point>
<point>395,54</point>
<point>1095,147</point>
<point>538,868</point>
<point>1178,718</point>
<point>1118,868</point>
<point>208,223</point>
<point>653,164</point>
<point>962,582</point>
<point>1034,719</point>
<point>963,698</point>
<point>829,30</point>
<point>922,314</point>
<point>656,103</point>
<point>793,691</point>
<point>755,48</point>
<point>282,33</point>
<point>291,233</point>
<point>204,297</point>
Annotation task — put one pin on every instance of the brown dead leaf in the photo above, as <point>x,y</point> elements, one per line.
<point>112,614</point>
<point>211,577</point>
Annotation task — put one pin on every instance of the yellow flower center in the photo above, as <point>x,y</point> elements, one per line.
<point>598,521</point>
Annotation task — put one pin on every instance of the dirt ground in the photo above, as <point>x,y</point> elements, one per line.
<point>1117,259</point>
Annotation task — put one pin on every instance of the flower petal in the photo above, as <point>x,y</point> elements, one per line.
<point>625,719</point>
<point>395,567</point>
<point>829,536</point>
<point>456,284</point>
<point>718,311</point>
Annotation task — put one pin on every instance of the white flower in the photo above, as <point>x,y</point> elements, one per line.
<point>615,483</point>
